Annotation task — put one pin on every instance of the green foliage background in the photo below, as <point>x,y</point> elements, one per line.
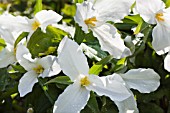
<point>44,94</point>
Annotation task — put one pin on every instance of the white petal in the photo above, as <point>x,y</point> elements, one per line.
<point>72,100</point>
<point>24,57</point>
<point>14,23</point>
<point>112,9</point>
<point>128,105</point>
<point>144,80</point>
<point>83,12</point>
<point>166,62</point>
<point>7,57</point>
<point>111,41</point>
<point>161,40</point>
<point>108,86</point>
<point>27,82</point>
<point>7,36</point>
<point>50,65</point>
<point>47,18</point>
<point>148,8</point>
<point>72,61</point>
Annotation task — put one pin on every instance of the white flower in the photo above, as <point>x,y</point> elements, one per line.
<point>143,80</point>
<point>154,12</point>
<point>94,14</point>
<point>22,24</point>
<point>74,64</point>
<point>44,18</point>
<point>38,67</point>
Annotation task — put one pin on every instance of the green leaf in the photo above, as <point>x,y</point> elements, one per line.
<point>138,20</point>
<point>93,104</point>
<point>38,6</point>
<point>167,3</point>
<point>18,68</point>
<point>78,1</point>
<point>138,28</point>
<point>44,43</point>
<point>21,36</point>
<point>69,10</point>
<point>98,67</point>
<point>150,108</point>
<point>3,79</point>
<point>38,100</point>
<point>135,18</point>
<point>79,35</point>
<point>2,44</point>
<point>60,80</point>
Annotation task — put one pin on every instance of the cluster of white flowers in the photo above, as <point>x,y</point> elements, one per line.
<point>95,16</point>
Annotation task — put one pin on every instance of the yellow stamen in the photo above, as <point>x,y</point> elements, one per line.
<point>159,16</point>
<point>39,69</point>
<point>90,21</point>
<point>85,81</point>
<point>35,25</point>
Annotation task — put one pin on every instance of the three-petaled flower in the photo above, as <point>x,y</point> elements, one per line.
<point>92,15</point>
<point>38,67</point>
<point>74,64</point>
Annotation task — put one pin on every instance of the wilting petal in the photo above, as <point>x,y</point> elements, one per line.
<point>50,65</point>
<point>128,105</point>
<point>108,86</point>
<point>47,18</point>
<point>24,57</point>
<point>161,40</point>
<point>144,80</point>
<point>72,100</point>
<point>148,8</point>
<point>72,61</point>
<point>111,41</point>
<point>90,52</point>
<point>27,82</point>
<point>167,62</point>
<point>7,57</point>
<point>112,9</point>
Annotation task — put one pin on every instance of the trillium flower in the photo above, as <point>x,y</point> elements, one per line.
<point>44,18</point>
<point>74,64</point>
<point>154,12</point>
<point>143,80</point>
<point>22,24</point>
<point>92,15</point>
<point>38,67</point>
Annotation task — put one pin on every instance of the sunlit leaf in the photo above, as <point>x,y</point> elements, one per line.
<point>98,67</point>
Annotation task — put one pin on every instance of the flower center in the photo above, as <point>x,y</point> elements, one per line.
<point>39,69</point>
<point>35,25</point>
<point>85,81</point>
<point>159,16</point>
<point>90,21</point>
